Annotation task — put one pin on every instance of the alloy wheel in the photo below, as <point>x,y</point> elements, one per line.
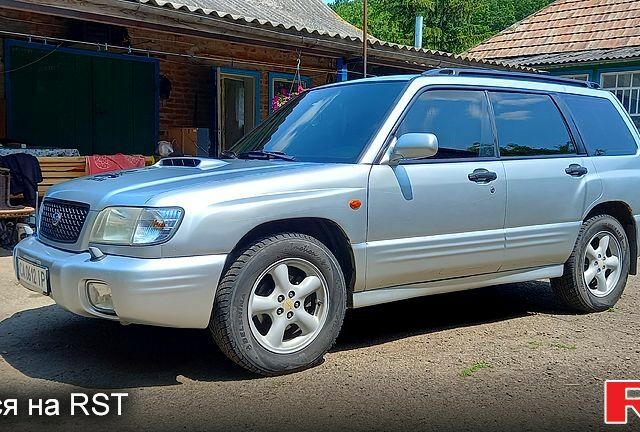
<point>602,264</point>
<point>288,307</point>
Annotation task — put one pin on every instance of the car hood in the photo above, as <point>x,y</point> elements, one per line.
<point>171,185</point>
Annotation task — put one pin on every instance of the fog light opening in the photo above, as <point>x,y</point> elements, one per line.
<point>99,295</point>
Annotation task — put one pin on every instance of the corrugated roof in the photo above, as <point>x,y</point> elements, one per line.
<point>311,17</point>
<point>579,57</point>
<point>568,26</point>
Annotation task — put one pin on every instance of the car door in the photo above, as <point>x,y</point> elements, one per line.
<point>440,217</point>
<point>548,177</point>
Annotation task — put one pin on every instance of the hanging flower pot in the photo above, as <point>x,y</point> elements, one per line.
<point>282,96</point>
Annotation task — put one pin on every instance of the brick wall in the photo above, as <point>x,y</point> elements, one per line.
<point>192,96</point>
<point>192,99</point>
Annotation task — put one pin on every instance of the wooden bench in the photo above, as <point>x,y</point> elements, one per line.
<point>60,169</point>
<point>17,213</point>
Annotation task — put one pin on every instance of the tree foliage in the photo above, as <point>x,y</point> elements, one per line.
<point>449,25</point>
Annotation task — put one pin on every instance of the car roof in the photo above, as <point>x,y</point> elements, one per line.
<point>510,75</point>
<point>489,78</point>
<point>387,78</point>
<point>369,80</point>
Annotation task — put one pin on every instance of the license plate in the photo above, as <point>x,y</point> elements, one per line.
<point>33,276</point>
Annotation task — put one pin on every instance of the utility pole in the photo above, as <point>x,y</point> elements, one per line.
<point>364,38</point>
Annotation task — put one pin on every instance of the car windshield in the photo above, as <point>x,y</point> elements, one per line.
<point>330,124</point>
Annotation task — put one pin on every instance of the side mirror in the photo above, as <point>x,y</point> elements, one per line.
<point>414,145</point>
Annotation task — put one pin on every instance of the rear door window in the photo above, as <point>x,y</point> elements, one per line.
<point>530,125</point>
<point>601,127</point>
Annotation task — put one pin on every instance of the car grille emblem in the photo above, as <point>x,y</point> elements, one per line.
<point>56,218</point>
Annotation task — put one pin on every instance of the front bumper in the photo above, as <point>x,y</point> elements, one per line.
<point>169,292</point>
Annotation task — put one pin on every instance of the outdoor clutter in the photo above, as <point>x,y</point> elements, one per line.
<point>25,178</point>
<point>19,177</point>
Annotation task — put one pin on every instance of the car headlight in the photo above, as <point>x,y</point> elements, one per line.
<point>135,226</point>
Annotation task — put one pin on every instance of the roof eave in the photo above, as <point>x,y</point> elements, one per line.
<point>577,63</point>
<point>244,31</point>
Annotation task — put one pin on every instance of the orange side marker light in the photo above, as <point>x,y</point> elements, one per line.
<point>355,204</point>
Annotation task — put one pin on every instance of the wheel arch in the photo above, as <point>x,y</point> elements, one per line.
<point>327,231</point>
<point>623,213</point>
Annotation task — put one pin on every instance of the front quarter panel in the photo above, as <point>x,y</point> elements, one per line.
<point>219,215</point>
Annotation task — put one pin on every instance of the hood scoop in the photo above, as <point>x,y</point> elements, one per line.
<point>190,162</point>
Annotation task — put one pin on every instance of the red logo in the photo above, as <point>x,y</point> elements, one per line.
<point>618,399</point>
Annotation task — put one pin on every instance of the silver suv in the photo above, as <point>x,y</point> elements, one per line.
<point>351,195</point>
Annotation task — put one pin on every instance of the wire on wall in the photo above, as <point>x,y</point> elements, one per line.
<point>149,52</point>
<point>38,60</point>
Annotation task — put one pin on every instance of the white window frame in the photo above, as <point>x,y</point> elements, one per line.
<point>579,77</point>
<point>621,91</point>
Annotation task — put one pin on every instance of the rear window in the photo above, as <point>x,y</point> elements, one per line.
<point>601,127</point>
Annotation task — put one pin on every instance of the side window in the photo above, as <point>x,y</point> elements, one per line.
<point>530,125</point>
<point>460,120</point>
<point>601,126</point>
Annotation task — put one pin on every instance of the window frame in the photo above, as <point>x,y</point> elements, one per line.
<point>564,113</point>
<point>562,109</point>
<point>620,109</point>
<point>392,135</point>
<point>577,76</point>
<point>630,88</point>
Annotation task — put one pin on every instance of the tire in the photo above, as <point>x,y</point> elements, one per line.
<point>250,282</point>
<point>572,286</point>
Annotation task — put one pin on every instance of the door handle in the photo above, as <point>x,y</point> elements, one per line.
<point>481,175</point>
<point>576,170</point>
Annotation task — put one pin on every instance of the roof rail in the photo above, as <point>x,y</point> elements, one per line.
<point>493,73</point>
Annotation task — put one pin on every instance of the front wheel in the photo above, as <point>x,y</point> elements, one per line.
<point>596,272</point>
<point>280,305</point>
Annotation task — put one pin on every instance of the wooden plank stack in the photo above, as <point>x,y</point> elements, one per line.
<point>59,169</point>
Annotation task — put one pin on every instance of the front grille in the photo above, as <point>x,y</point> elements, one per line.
<point>62,221</point>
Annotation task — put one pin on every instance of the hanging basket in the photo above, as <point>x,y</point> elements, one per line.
<point>282,96</point>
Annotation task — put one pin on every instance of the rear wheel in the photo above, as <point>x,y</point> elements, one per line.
<point>596,272</point>
<point>280,305</point>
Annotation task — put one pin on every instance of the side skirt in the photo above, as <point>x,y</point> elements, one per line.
<point>402,292</point>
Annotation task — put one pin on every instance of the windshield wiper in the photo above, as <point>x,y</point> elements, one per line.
<point>228,154</point>
<point>261,154</point>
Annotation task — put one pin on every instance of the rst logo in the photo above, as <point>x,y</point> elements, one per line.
<point>619,397</point>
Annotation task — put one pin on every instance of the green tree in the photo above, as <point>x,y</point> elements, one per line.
<point>449,25</point>
<point>389,20</point>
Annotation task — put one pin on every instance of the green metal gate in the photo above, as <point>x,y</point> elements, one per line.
<point>99,103</point>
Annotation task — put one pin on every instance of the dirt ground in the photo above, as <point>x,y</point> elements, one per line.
<point>500,358</point>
